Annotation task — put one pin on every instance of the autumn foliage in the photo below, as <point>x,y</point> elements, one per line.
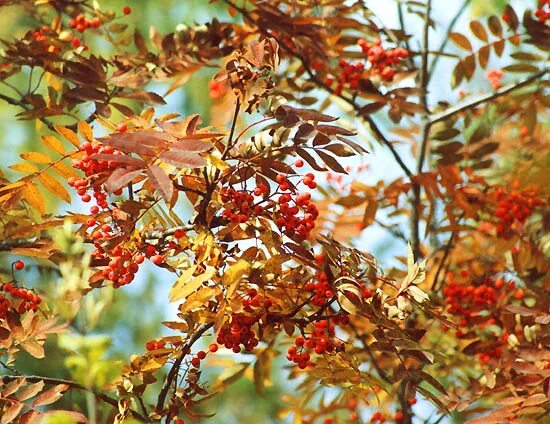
<point>261,214</point>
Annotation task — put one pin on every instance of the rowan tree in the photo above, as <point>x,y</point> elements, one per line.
<point>258,214</point>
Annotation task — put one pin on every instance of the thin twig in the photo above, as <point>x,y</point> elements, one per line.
<point>177,363</point>
<point>446,114</point>
<point>424,81</point>
<point>446,38</point>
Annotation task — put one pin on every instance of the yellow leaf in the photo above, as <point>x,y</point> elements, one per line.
<point>34,348</point>
<point>36,157</point>
<point>14,185</point>
<point>218,163</point>
<point>53,143</point>
<point>232,277</point>
<point>187,284</point>
<point>86,131</point>
<point>24,167</point>
<point>153,364</point>
<point>55,187</point>
<point>68,134</point>
<point>34,198</point>
<point>64,170</point>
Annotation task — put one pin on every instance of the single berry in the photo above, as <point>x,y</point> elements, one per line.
<point>19,265</point>
<point>157,259</point>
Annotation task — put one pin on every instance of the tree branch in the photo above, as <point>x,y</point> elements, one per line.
<point>172,374</point>
<point>487,97</point>
<point>424,81</point>
<point>99,395</point>
<point>23,105</point>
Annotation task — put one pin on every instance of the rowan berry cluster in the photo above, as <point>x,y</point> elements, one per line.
<point>321,289</point>
<point>468,299</point>
<point>382,64</point>
<point>239,206</point>
<point>44,35</point>
<point>543,11</point>
<point>293,213</point>
<point>494,76</point>
<point>123,265</point>
<point>350,76</point>
<point>377,417</point>
<point>496,352</point>
<point>95,170</point>
<point>321,340</point>
<point>287,216</point>
<point>383,61</point>
<point>81,24</point>
<point>22,300</point>
<point>514,207</point>
<point>152,345</point>
<point>239,332</point>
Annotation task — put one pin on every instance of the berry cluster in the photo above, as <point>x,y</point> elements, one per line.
<point>95,170</point>
<point>350,75</point>
<point>543,11</point>
<point>287,216</point>
<point>239,332</point>
<point>240,204</point>
<point>321,289</point>
<point>201,354</point>
<point>514,207</point>
<point>151,345</point>
<point>81,24</point>
<point>383,61</point>
<point>382,64</point>
<point>320,341</point>
<point>255,300</point>
<point>494,76</point>
<point>44,35</point>
<point>293,213</point>
<point>377,417</point>
<point>22,300</point>
<point>123,265</point>
<point>467,300</point>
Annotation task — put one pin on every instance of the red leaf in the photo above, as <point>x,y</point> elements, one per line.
<point>161,181</point>
<point>183,159</point>
<point>120,178</point>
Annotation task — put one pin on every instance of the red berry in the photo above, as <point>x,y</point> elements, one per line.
<point>179,233</point>
<point>299,163</point>
<point>75,42</point>
<point>213,347</point>
<point>157,259</point>
<point>139,259</point>
<point>122,127</point>
<point>19,265</point>
<point>127,10</point>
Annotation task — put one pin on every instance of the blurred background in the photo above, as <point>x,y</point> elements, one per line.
<point>113,325</point>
